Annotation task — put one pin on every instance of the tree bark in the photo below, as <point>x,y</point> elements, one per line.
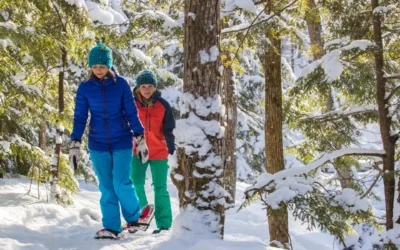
<point>61,81</point>
<point>55,194</point>
<point>42,135</point>
<point>230,120</point>
<point>313,20</point>
<point>202,179</point>
<point>385,120</point>
<point>277,221</point>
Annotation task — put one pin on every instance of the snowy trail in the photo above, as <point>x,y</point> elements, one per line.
<point>29,223</point>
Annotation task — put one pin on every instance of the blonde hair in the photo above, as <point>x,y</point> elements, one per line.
<point>110,73</point>
<point>147,102</point>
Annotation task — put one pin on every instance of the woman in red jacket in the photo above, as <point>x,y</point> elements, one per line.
<point>156,116</point>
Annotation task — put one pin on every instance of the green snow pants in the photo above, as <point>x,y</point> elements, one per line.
<point>159,174</point>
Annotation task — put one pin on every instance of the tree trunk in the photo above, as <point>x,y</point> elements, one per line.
<point>385,120</point>
<point>277,220</point>
<point>230,103</point>
<point>200,164</point>
<point>61,81</point>
<point>42,135</point>
<point>313,20</point>
<point>55,194</point>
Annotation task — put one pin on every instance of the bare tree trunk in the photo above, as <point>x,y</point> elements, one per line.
<point>202,170</point>
<point>292,52</point>
<point>313,20</point>
<point>385,120</point>
<point>61,81</point>
<point>277,220</point>
<point>54,190</point>
<point>42,134</point>
<point>230,103</point>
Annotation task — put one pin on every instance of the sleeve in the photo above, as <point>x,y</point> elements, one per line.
<point>80,114</point>
<point>130,109</point>
<point>169,125</point>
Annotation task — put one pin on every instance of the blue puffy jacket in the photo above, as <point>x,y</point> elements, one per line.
<point>113,114</point>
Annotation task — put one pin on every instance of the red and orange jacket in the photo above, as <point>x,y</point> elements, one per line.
<point>158,122</point>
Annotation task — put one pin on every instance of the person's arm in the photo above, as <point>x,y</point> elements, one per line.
<point>130,109</point>
<point>80,114</point>
<point>168,126</point>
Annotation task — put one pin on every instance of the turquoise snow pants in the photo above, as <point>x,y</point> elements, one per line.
<point>159,174</point>
<point>112,169</point>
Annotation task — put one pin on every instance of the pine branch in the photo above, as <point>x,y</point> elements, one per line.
<point>392,93</point>
<point>253,23</point>
<point>265,181</point>
<point>339,114</point>
<point>370,188</point>
<point>396,76</point>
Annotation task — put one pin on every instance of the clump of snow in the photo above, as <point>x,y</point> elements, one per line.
<point>247,5</point>
<point>331,63</point>
<point>212,56</point>
<point>140,55</point>
<point>349,200</point>
<point>383,9</point>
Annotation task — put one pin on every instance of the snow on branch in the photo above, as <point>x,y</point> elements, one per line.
<point>331,63</point>
<point>339,114</point>
<point>265,179</point>
<point>395,76</point>
<point>263,19</point>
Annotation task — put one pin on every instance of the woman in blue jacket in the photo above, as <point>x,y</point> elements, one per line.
<point>113,123</point>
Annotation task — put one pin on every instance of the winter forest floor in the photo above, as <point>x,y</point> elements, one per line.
<point>29,223</point>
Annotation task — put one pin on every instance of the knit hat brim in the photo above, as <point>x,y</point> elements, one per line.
<point>146,77</point>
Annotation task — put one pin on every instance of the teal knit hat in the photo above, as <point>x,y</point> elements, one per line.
<point>100,54</point>
<point>146,77</point>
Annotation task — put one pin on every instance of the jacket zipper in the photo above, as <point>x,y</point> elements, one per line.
<point>148,119</point>
<point>103,90</point>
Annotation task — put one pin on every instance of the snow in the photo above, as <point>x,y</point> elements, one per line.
<point>247,5</point>
<point>264,179</point>
<point>139,54</point>
<point>383,9</point>
<point>349,200</point>
<point>30,223</point>
<point>192,15</point>
<point>209,57</point>
<point>331,63</point>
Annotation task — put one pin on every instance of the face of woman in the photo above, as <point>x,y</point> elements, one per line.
<point>99,70</point>
<point>147,90</point>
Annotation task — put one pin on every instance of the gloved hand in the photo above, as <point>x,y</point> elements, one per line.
<point>141,148</point>
<point>74,154</point>
<point>171,151</point>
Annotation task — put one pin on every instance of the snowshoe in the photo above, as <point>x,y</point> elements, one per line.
<point>108,234</point>
<point>143,222</point>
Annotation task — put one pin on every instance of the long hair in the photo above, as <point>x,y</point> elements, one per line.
<point>147,102</point>
<point>110,73</point>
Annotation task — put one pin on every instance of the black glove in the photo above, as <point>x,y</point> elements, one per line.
<point>141,148</point>
<point>74,154</point>
<point>171,151</point>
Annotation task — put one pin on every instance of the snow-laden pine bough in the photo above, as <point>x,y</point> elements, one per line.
<point>312,202</point>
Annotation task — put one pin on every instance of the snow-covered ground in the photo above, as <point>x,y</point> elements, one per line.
<point>29,223</point>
